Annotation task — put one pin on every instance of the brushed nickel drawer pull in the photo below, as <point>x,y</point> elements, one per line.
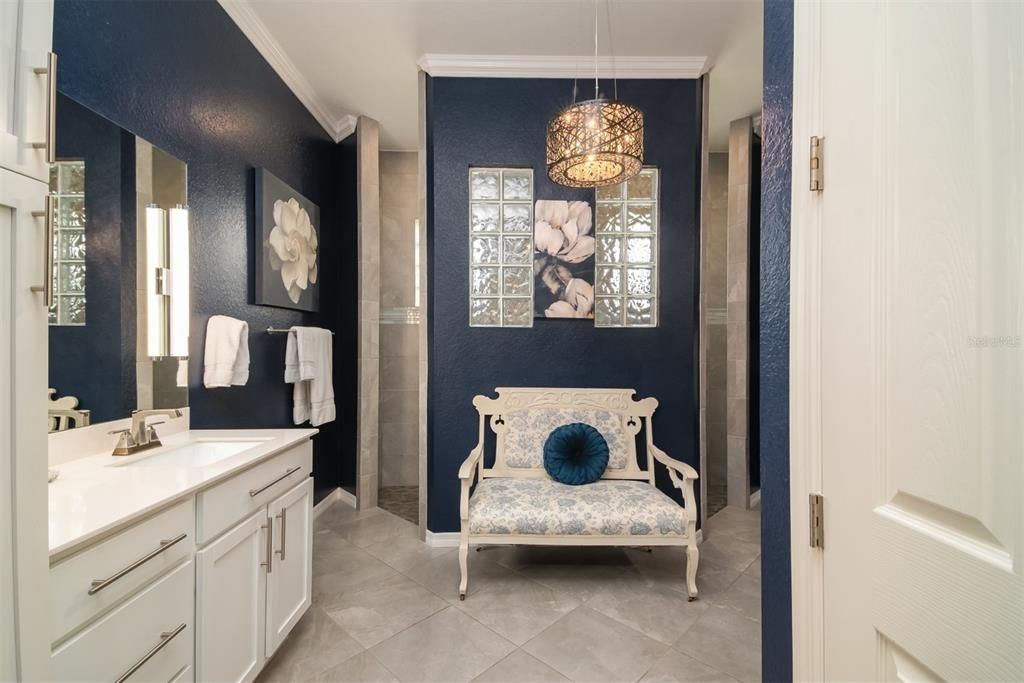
<point>284,529</point>
<point>100,584</point>
<point>269,563</point>
<point>165,637</point>
<point>47,287</point>
<point>50,144</point>
<point>255,492</point>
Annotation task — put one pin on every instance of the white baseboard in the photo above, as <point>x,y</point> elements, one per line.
<point>450,539</point>
<point>337,495</point>
<point>347,498</point>
<point>755,498</point>
<point>442,540</point>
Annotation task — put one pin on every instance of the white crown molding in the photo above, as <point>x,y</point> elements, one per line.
<point>345,126</point>
<point>526,66</point>
<point>256,31</point>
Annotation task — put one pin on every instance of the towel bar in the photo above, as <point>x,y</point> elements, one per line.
<point>277,330</point>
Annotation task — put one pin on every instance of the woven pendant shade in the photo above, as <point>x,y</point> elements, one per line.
<point>595,143</point>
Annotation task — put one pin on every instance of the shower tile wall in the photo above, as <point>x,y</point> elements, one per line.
<point>399,321</point>
<point>714,272</point>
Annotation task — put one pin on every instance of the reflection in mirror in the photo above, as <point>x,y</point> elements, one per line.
<point>119,321</point>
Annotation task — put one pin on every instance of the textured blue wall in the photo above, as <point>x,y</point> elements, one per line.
<point>185,78</point>
<point>502,122</point>
<point>776,167</point>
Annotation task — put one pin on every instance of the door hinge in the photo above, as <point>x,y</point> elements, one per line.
<point>817,173</point>
<point>816,515</point>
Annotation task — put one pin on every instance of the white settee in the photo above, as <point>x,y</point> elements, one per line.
<point>514,501</point>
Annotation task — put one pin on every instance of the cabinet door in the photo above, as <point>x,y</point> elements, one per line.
<point>24,651</point>
<point>290,581</point>
<point>26,31</point>
<point>231,604</point>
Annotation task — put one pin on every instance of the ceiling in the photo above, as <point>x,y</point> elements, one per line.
<point>345,58</point>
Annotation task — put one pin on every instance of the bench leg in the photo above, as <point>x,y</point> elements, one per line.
<point>692,557</point>
<point>463,566</point>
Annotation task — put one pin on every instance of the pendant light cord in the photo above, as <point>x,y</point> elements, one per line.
<point>596,95</point>
<point>611,49</point>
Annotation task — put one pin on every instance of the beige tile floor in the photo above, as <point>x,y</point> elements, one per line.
<point>386,608</point>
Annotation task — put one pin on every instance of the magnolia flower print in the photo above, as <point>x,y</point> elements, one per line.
<point>292,246</point>
<point>562,230</point>
<point>564,245</point>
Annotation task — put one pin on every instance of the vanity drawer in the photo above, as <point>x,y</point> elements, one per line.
<point>226,504</point>
<point>149,638</point>
<point>94,580</point>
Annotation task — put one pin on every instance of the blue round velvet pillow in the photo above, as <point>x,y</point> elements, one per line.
<point>575,454</point>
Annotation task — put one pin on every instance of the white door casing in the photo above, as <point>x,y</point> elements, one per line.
<point>290,583</point>
<point>230,604</point>
<point>907,363</point>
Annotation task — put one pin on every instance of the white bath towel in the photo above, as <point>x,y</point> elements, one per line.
<point>309,365</point>
<point>226,359</point>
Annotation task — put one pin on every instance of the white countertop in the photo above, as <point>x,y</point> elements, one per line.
<point>96,494</point>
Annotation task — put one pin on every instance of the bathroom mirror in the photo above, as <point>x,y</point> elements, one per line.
<point>120,268</point>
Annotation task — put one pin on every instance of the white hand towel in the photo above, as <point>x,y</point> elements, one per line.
<point>309,365</point>
<point>226,359</point>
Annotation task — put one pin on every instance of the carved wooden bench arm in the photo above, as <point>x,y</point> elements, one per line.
<point>467,473</point>
<point>675,468</point>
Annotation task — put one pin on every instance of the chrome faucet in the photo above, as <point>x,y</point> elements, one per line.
<point>141,435</point>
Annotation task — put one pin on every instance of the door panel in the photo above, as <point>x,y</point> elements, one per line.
<point>23,366</point>
<point>26,29</point>
<point>290,583</point>
<point>922,312</point>
<point>230,604</point>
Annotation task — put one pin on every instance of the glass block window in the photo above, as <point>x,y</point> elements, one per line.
<point>626,261</point>
<point>67,184</point>
<point>500,247</point>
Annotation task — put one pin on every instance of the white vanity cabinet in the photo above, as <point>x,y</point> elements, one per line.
<point>25,120</point>
<point>254,565</point>
<point>204,589</point>
<point>253,584</point>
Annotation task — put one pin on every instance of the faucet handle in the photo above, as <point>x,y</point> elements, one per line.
<point>125,442</point>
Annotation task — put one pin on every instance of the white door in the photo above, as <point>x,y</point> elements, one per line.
<point>26,86</point>
<point>230,603</point>
<point>24,652</point>
<point>908,316</point>
<point>290,581</point>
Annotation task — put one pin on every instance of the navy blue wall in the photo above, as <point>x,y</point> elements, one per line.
<point>184,77</point>
<point>86,361</point>
<point>776,166</point>
<point>502,122</point>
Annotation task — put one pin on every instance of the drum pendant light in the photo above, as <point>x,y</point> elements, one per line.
<point>596,142</point>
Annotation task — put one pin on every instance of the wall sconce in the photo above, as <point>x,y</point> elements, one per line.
<point>167,282</point>
<point>178,317</point>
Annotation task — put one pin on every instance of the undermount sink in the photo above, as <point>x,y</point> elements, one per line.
<point>195,453</point>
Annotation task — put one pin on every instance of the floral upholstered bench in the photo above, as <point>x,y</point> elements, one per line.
<point>514,501</point>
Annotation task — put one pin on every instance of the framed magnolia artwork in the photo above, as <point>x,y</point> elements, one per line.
<point>563,260</point>
<point>287,246</point>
